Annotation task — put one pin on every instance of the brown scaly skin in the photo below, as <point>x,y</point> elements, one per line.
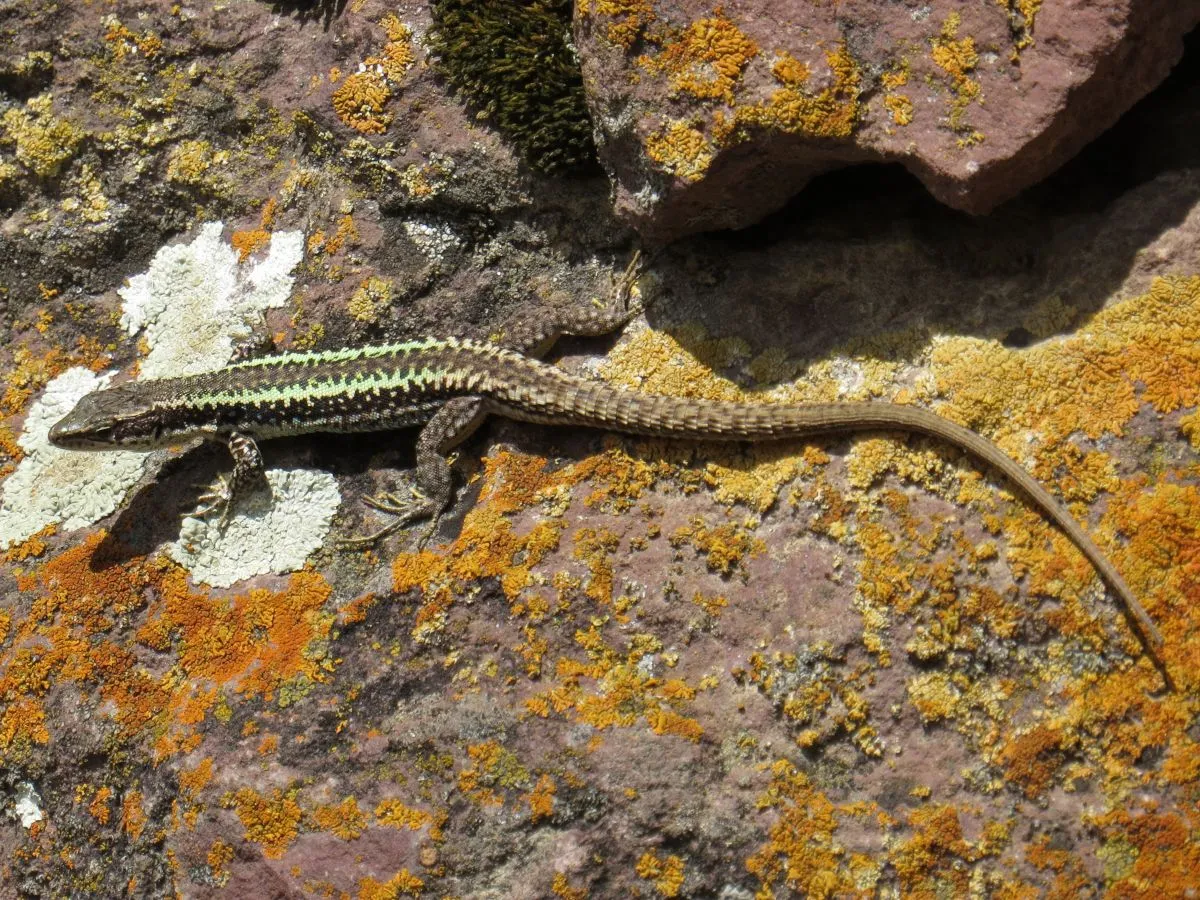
<point>450,385</point>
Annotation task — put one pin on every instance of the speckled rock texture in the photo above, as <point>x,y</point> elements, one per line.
<point>855,667</point>
<point>710,116</point>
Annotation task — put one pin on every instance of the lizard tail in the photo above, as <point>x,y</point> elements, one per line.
<point>595,404</point>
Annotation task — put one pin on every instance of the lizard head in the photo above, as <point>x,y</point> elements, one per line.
<point>117,417</point>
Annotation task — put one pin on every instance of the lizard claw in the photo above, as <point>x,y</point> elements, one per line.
<point>405,509</point>
<point>217,498</point>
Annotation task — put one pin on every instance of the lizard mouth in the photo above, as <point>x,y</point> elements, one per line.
<point>68,435</point>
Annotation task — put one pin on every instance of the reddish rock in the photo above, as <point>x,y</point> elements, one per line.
<point>710,117</point>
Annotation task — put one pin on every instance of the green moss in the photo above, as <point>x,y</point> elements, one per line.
<point>513,60</point>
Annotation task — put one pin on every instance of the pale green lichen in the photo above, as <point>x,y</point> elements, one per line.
<point>195,302</point>
<point>45,488</point>
<point>272,530</point>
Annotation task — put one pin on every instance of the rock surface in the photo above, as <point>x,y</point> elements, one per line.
<point>855,667</point>
<point>710,117</point>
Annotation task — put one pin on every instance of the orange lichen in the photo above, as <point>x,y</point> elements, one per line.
<point>1149,852</point>
<point>541,799</point>
<point>680,150</point>
<point>219,856</point>
<point>930,862</point>
<point>270,820</point>
<point>360,101</point>
<point>343,819</point>
<point>667,873</point>
<point>725,547</point>
<point>395,814</point>
<point>830,112</point>
<point>627,18</point>
<point>800,853</point>
<point>255,643</point>
<point>99,807</point>
<point>492,768</point>
<point>397,56</point>
<point>247,242</point>
<point>133,814</point>
<point>706,60</point>
<point>403,882</point>
<point>623,691</point>
<point>123,42</point>
<point>193,781</point>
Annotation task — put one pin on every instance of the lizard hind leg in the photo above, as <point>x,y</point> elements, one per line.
<point>428,499</point>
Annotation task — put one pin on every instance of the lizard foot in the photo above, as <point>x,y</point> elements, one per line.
<point>217,498</point>
<point>405,509</point>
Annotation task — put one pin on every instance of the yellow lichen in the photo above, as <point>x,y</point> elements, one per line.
<point>628,18</point>
<point>370,299</point>
<point>343,819</point>
<point>830,112</point>
<point>706,60</point>
<point>44,142</point>
<point>667,872</point>
<point>725,547</point>
<point>395,814</point>
<point>958,58</point>
<point>360,102</point>
<point>680,150</point>
<point>934,695</point>
<point>190,161</point>
<point>900,107</point>
<point>272,821</point>
<point>403,882</point>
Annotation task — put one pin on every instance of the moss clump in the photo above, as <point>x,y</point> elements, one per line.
<point>513,59</point>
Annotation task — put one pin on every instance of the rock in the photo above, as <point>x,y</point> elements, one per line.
<point>711,118</point>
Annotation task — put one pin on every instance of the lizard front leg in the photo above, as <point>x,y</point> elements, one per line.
<point>428,499</point>
<point>534,335</point>
<point>248,473</point>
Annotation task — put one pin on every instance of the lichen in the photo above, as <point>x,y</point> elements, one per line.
<point>195,301</point>
<point>44,489</point>
<point>957,58</point>
<point>44,142</point>
<point>666,873</point>
<point>680,150</point>
<point>360,102</point>
<point>271,530</point>
<point>831,112</point>
<point>706,60</point>
<point>371,298</point>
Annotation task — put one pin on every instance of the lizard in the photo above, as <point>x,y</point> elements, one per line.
<point>450,385</point>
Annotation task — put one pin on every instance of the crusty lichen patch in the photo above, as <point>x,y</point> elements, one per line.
<point>262,643</point>
<point>44,142</point>
<point>361,100</point>
<point>44,490</point>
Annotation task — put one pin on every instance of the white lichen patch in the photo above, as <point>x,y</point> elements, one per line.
<point>270,531</point>
<point>196,302</point>
<point>435,241</point>
<point>68,488</point>
<point>27,807</point>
